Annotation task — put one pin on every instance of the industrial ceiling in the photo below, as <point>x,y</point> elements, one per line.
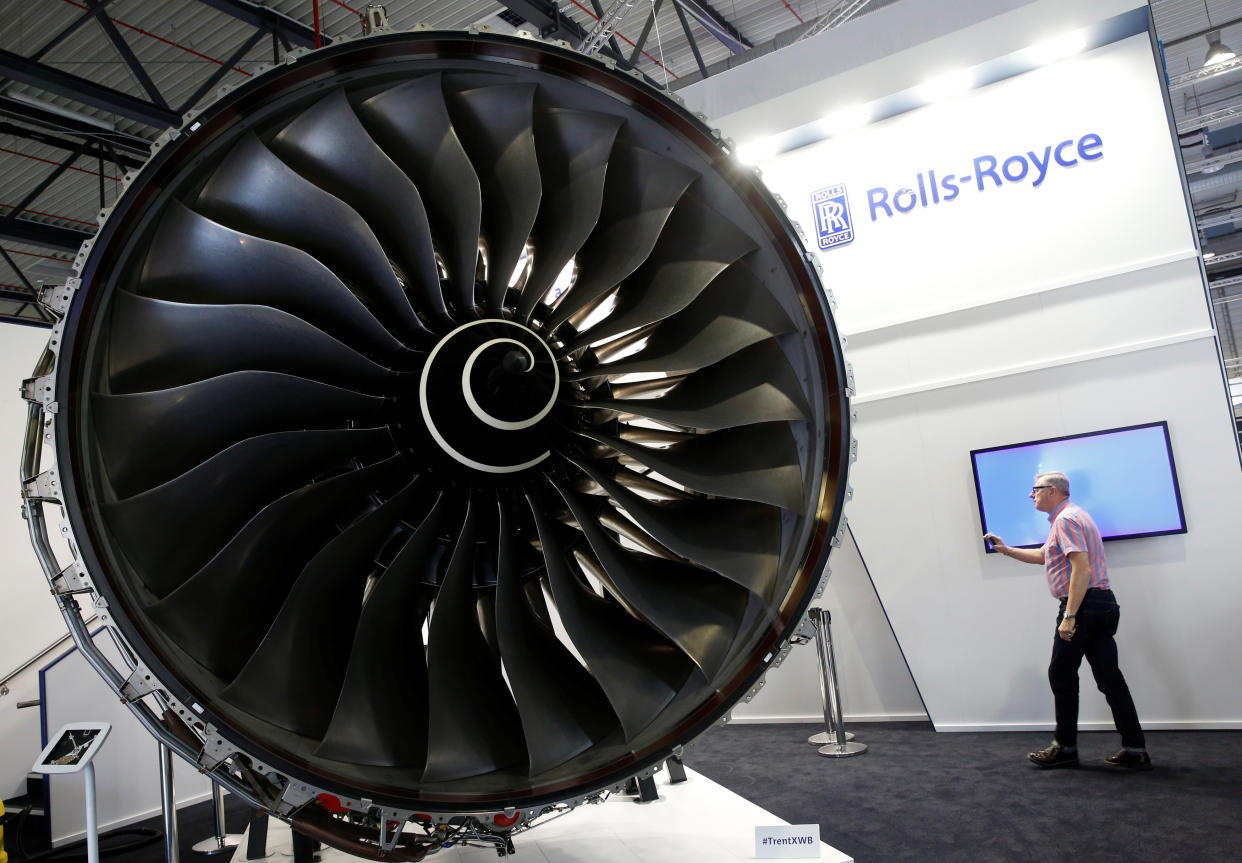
<point>87,85</point>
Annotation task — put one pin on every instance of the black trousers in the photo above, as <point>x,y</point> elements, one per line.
<point>1097,620</point>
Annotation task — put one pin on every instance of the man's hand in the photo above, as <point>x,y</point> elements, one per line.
<point>1066,629</point>
<point>995,541</point>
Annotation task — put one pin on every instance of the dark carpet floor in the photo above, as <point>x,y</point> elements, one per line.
<point>940,798</point>
<point>971,797</point>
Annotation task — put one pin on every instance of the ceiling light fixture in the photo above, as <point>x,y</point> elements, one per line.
<point>753,152</point>
<point>1058,47</point>
<point>946,85</point>
<point>1218,52</point>
<point>844,119</point>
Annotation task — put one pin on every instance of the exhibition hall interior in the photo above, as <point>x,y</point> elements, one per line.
<point>621,430</point>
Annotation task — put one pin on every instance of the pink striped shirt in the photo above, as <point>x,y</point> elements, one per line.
<point>1073,530</point>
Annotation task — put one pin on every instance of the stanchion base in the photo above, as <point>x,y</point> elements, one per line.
<point>211,846</point>
<point>834,750</point>
<point>824,737</point>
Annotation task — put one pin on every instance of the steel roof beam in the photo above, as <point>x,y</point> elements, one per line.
<point>127,54</point>
<point>27,71</point>
<point>44,236</point>
<point>694,45</point>
<point>552,24</point>
<point>642,40</point>
<point>286,28</point>
<point>47,119</point>
<point>95,10</point>
<point>1226,116</point>
<point>223,70</point>
<point>20,318</point>
<point>716,24</point>
<point>94,148</point>
<point>1205,73</point>
<point>31,293</point>
<point>51,178</point>
<point>606,24</point>
<point>548,18</point>
<point>1199,33</point>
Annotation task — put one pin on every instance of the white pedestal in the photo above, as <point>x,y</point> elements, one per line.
<point>694,820</point>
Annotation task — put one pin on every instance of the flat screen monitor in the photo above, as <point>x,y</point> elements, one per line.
<point>1125,478</point>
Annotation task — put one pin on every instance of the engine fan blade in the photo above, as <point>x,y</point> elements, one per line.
<point>574,148</point>
<point>733,312</point>
<point>639,669</point>
<point>472,729</point>
<point>754,385</point>
<point>294,677</point>
<point>563,709</point>
<point>208,416</point>
<point>697,610</point>
<point>495,126</point>
<point>195,260</point>
<point>156,344</point>
<point>328,146</point>
<point>381,715</point>
<point>411,123</point>
<point>220,495</point>
<point>640,191</point>
<point>696,245</point>
<point>738,539</point>
<point>754,462</point>
<point>221,613</point>
<point>253,191</point>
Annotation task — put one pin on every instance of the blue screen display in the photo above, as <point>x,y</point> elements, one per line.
<point>1125,478</point>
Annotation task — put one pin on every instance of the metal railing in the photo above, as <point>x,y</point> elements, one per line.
<point>4,681</point>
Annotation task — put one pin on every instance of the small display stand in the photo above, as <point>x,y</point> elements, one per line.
<point>71,750</point>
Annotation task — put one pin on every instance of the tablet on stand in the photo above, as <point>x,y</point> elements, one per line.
<point>71,750</point>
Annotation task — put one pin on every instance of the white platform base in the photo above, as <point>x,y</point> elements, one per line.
<point>694,820</point>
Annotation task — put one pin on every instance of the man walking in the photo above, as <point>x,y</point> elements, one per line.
<point>1077,573</point>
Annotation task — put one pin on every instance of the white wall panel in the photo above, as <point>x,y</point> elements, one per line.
<point>29,620</point>
<point>1014,313</point>
<point>995,242</point>
<point>1104,316</point>
<point>977,628</point>
<point>127,775</point>
<point>871,672</point>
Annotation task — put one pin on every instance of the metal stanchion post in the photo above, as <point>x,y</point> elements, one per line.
<point>172,851</point>
<point>92,815</point>
<point>222,840</point>
<point>841,746</point>
<point>829,734</point>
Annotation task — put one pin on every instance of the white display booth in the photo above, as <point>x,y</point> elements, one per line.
<point>1012,262</point>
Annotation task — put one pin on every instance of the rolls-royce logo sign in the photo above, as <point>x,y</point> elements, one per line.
<point>833,224</point>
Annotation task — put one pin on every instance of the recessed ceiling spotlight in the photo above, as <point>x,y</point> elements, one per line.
<point>844,119</point>
<point>757,150</point>
<point>946,85</point>
<point>1058,47</point>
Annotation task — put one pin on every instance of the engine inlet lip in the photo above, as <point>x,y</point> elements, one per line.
<point>141,202</point>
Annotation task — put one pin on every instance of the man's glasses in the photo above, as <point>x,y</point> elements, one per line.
<point>1036,488</point>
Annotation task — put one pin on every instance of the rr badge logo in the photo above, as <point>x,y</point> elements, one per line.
<point>833,224</point>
